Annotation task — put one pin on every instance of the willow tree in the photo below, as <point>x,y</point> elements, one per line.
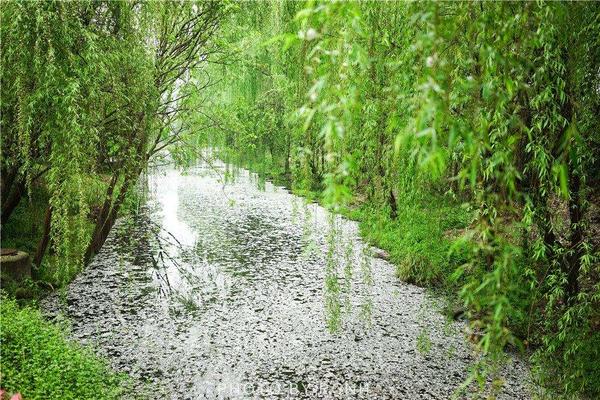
<point>493,105</point>
<point>93,89</point>
<point>510,89</point>
<point>182,34</point>
<point>55,66</point>
<point>247,113</point>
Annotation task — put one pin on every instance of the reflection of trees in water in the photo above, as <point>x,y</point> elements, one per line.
<point>145,243</point>
<point>247,244</point>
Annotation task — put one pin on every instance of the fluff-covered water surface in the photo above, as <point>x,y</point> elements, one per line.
<point>228,291</point>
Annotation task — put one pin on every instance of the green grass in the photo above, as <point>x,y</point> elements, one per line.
<point>419,239</point>
<point>36,358</point>
<point>40,363</point>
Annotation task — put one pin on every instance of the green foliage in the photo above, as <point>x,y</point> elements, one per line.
<point>40,363</point>
<point>424,342</point>
<point>248,116</point>
<point>419,240</point>
<point>25,225</point>
<point>56,100</point>
<point>91,95</point>
<point>94,90</point>
<point>504,94</point>
<point>463,136</point>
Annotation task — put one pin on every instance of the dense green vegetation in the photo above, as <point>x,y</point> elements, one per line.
<point>39,362</point>
<point>463,136</point>
<point>91,93</point>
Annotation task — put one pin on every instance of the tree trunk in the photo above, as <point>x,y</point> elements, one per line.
<point>393,205</point>
<point>8,179</point>
<point>43,243</point>
<point>287,155</point>
<point>101,220</point>
<point>12,201</point>
<point>107,219</point>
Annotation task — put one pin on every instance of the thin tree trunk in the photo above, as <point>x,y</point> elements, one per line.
<point>112,216</point>
<point>8,179</point>
<point>102,218</point>
<point>43,243</point>
<point>572,265</point>
<point>393,205</point>
<point>109,215</point>
<point>287,155</point>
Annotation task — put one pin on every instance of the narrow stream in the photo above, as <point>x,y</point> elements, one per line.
<point>217,291</point>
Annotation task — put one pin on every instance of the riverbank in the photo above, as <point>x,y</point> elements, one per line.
<point>421,240</point>
<point>416,231</point>
<point>25,231</point>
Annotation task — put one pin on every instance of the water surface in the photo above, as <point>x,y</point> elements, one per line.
<point>217,291</point>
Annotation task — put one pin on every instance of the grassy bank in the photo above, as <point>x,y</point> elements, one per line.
<point>39,362</point>
<point>419,240</point>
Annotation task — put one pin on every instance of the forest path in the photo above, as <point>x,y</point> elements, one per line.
<point>217,291</point>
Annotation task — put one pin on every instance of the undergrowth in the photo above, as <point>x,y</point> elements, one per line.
<point>39,362</point>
